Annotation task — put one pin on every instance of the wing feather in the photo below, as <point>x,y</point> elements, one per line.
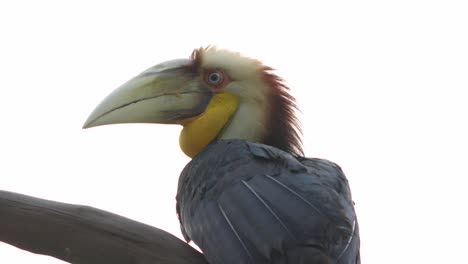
<point>234,231</point>
<point>267,207</point>
<point>243,202</point>
<point>296,194</point>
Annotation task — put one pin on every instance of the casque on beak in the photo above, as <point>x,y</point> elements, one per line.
<point>167,93</point>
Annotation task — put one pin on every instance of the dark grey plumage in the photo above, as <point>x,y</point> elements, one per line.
<point>242,202</point>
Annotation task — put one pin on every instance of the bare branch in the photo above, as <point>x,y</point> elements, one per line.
<point>86,235</point>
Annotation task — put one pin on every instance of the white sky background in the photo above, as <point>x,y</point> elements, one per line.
<point>382,87</point>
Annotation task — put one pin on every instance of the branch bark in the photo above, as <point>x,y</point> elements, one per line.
<point>86,235</point>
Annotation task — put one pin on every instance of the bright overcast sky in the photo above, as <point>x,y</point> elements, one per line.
<point>382,87</point>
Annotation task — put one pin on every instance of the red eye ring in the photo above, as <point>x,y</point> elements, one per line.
<point>216,79</point>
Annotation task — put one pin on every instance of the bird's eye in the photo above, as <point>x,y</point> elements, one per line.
<point>215,78</point>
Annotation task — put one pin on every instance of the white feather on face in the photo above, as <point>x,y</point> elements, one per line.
<point>250,120</point>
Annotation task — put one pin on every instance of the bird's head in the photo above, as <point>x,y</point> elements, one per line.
<point>215,94</point>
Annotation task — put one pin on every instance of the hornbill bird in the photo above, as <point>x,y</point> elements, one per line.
<point>248,195</point>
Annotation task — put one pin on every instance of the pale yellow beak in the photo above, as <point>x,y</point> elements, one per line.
<point>167,93</point>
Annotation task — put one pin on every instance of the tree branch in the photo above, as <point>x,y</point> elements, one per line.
<point>86,235</point>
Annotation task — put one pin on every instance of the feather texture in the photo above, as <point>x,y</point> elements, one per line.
<point>243,202</point>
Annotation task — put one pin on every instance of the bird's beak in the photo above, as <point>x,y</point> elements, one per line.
<point>167,93</point>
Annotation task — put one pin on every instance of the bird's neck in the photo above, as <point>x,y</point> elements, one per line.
<point>249,122</point>
<point>205,128</point>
